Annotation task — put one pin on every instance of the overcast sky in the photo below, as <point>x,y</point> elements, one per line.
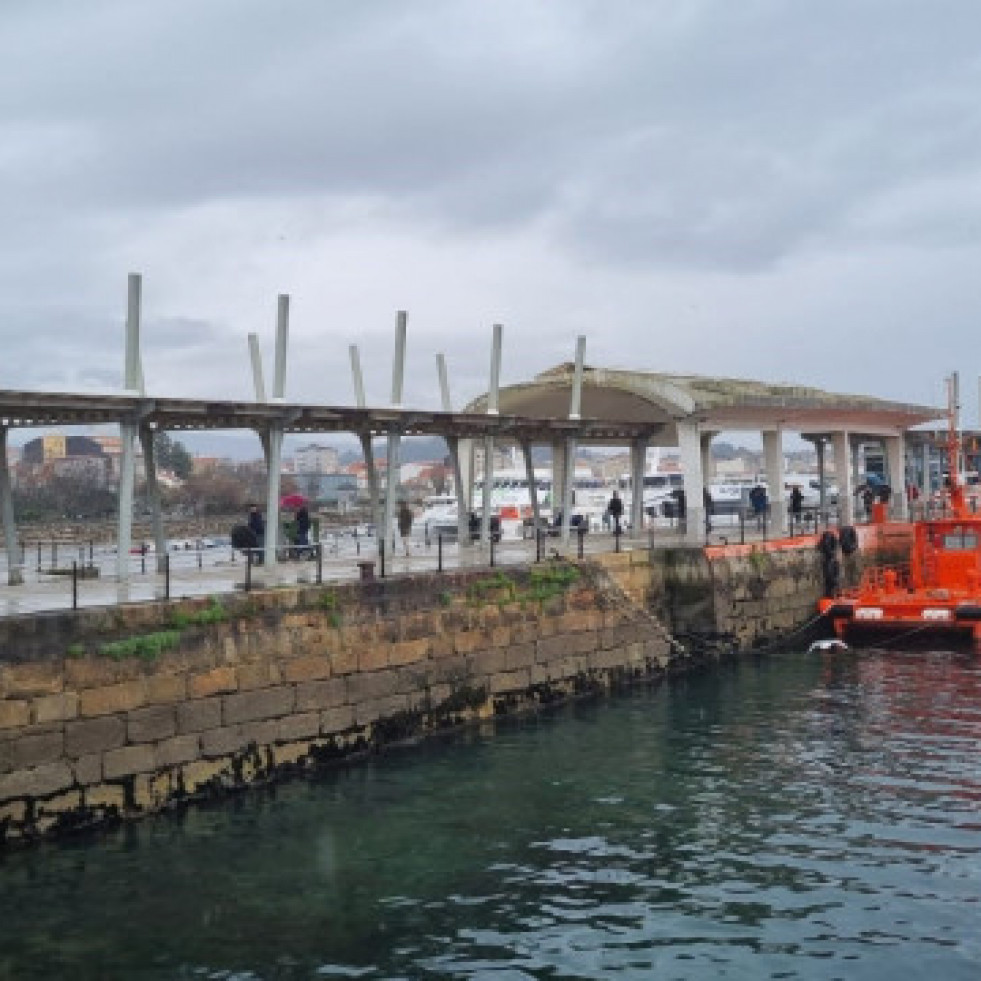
<point>763,189</point>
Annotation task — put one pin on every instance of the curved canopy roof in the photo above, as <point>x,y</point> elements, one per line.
<point>714,404</point>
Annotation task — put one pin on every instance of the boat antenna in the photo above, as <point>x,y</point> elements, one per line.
<point>953,446</point>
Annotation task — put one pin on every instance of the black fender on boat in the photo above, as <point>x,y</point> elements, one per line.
<point>968,611</point>
<point>840,611</point>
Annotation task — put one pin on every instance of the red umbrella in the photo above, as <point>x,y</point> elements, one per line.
<point>292,501</point>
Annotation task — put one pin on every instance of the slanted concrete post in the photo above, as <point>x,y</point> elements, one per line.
<point>638,465</point>
<point>127,431</point>
<point>367,449</point>
<point>465,501</point>
<point>15,574</point>
<point>394,436</point>
<point>896,465</point>
<point>690,450</point>
<point>153,496</point>
<point>844,476</point>
<point>453,445</point>
<point>773,455</point>
<point>275,437</point>
<point>492,396</point>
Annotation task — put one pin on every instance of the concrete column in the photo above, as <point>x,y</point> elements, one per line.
<point>15,574</point>
<point>844,476</point>
<point>638,461</point>
<point>526,450</point>
<point>464,494</point>
<point>773,455</point>
<point>374,500</point>
<point>274,456</point>
<point>391,487</point>
<point>690,449</point>
<point>567,488</point>
<point>706,448</point>
<point>558,477</point>
<point>153,496</point>
<point>822,477</point>
<point>485,500</point>
<point>896,465</point>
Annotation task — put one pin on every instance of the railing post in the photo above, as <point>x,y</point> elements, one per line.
<point>742,527</point>
<point>91,551</point>
<point>320,562</point>
<point>381,557</point>
<point>74,585</point>
<point>167,577</point>
<point>54,555</point>
<point>490,536</point>
<point>439,552</point>
<point>38,556</point>
<point>538,544</point>
<point>616,536</point>
<point>582,538</point>
<point>143,559</point>
<point>248,570</point>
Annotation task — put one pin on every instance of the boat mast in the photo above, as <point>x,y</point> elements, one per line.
<point>953,445</point>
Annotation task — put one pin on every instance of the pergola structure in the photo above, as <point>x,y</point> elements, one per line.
<point>687,411</point>
<point>563,407</point>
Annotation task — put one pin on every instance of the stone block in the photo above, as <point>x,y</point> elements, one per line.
<point>290,753</point>
<point>217,681</point>
<point>163,689</point>
<point>221,742</point>
<point>509,681</point>
<point>88,769</point>
<point>265,703</point>
<point>127,760</point>
<point>202,713</point>
<point>152,790</point>
<point>14,712</point>
<point>344,661</point>
<point>519,656</point>
<point>32,678</point>
<point>338,719</point>
<point>150,724</point>
<point>199,773</point>
<point>294,727</point>
<point>56,708</point>
<point>98,672</point>
<point>409,652</point>
<point>85,736</point>
<point>321,694</point>
<point>307,669</point>
<point>378,684</point>
<point>262,732</point>
<point>179,749</point>
<point>41,781</point>
<point>373,709</point>
<point>260,674</point>
<point>373,657</point>
<point>122,697</point>
<point>31,750</point>
<point>106,797</point>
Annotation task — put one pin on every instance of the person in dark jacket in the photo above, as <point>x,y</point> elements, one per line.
<point>615,510</point>
<point>257,525</point>
<point>405,524</point>
<point>302,531</point>
<point>796,504</point>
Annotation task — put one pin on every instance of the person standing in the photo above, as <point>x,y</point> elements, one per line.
<point>796,504</point>
<point>302,531</point>
<point>405,524</point>
<point>709,506</point>
<point>615,511</point>
<point>257,525</point>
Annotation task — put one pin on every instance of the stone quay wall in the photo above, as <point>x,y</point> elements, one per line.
<point>114,713</point>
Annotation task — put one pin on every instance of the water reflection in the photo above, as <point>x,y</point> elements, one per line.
<point>806,816</point>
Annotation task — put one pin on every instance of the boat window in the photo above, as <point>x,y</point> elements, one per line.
<point>960,541</point>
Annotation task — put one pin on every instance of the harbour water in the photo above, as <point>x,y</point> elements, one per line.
<point>809,816</point>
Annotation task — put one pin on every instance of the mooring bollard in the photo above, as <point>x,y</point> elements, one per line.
<point>74,585</point>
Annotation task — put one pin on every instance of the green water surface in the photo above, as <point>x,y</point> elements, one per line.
<point>801,816</point>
